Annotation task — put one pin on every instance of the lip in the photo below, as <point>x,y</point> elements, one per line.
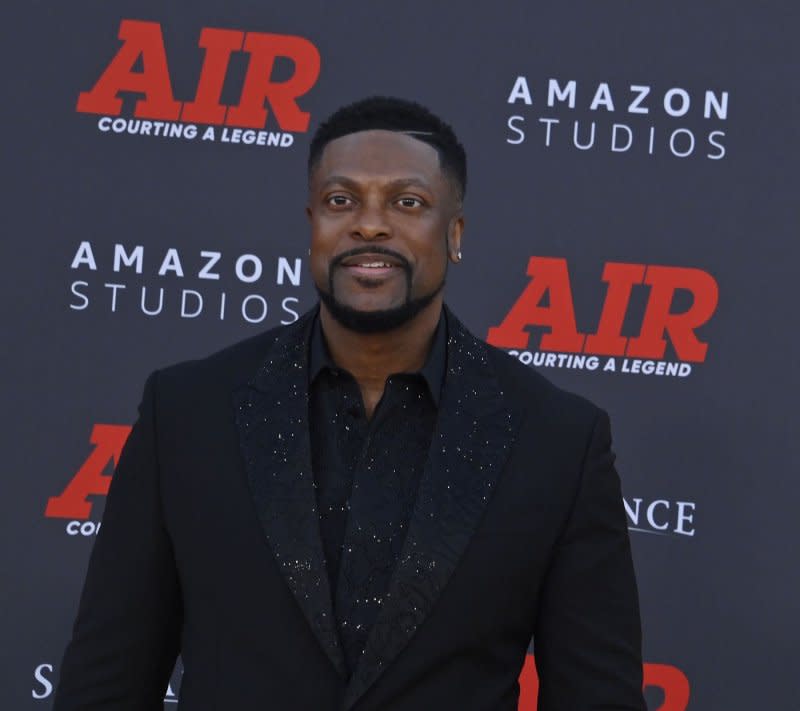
<point>371,257</point>
<point>372,273</point>
<point>356,266</point>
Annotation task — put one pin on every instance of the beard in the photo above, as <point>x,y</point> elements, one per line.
<point>381,320</point>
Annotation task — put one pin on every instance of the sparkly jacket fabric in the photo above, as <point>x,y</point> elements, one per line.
<point>210,548</point>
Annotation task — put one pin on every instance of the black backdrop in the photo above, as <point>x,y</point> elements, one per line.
<point>707,457</point>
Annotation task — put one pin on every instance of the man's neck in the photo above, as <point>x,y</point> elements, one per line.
<point>372,357</point>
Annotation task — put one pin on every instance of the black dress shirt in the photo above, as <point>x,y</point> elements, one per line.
<point>367,474</point>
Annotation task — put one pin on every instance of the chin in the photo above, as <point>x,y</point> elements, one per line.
<point>371,307</point>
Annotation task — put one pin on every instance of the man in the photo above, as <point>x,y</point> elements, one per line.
<point>369,509</point>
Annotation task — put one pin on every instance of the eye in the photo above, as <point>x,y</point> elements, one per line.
<point>410,202</point>
<point>338,200</point>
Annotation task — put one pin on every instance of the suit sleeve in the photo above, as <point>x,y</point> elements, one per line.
<point>126,636</point>
<point>587,639</point>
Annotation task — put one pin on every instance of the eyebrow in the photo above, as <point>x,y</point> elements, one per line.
<point>397,184</point>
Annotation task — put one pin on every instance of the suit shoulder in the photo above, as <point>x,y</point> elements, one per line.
<point>523,384</point>
<point>228,367</point>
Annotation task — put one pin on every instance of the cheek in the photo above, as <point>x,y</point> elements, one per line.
<point>329,235</point>
<point>432,244</point>
<point>319,258</point>
<point>431,259</point>
<point>322,243</point>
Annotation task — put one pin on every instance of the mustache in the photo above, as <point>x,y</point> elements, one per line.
<point>372,249</point>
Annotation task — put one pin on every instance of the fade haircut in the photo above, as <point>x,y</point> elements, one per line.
<point>392,114</point>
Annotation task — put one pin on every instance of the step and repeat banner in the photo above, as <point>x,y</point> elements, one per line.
<point>632,220</point>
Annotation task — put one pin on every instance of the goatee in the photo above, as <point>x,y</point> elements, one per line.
<point>376,321</point>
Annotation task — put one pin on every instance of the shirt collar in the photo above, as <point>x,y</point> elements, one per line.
<point>432,371</point>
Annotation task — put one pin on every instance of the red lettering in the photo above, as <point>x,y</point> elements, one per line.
<point>665,281</point>
<point>144,41</point>
<point>219,45</point>
<point>620,279</point>
<point>282,96</point>
<point>528,685</point>
<point>89,479</point>
<point>671,680</point>
<point>140,39</point>
<point>548,276</point>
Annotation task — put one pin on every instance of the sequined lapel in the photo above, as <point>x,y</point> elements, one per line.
<point>272,419</point>
<point>474,434</point>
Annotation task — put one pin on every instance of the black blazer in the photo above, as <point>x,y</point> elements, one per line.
<point>210,548</point>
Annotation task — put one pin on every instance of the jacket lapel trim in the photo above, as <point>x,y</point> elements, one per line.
<point>272,419</point>
<point>474,435</point>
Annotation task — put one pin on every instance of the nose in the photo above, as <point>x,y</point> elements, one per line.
<point>371,223</point>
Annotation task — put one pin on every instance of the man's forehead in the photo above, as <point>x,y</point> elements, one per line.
<point>375,145</point>
<point>378,152</point>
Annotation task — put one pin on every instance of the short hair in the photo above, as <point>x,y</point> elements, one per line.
<point>392,114</point>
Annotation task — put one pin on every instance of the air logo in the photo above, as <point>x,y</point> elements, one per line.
<point>143,45</point>
<point>90,480</point>
<point>663,680</point>
<point>563,346</point>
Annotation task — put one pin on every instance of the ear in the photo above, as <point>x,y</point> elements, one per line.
<point>454,231</point>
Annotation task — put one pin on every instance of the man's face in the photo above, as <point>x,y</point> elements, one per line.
<point>384,221</point>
